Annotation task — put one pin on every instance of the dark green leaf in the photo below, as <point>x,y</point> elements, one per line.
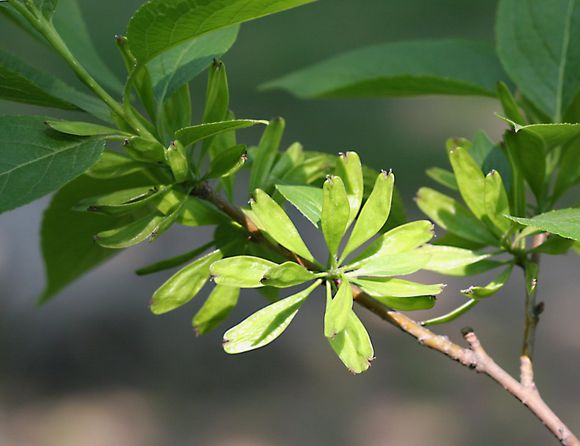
<point>193,134</point>
<point>196,212</point>
<point>162,24</point>
<point>65,262</point>
<point>551,135</point>
<point>529,156</point>
<point>563,222</point>
<point>228,162</point>
<point>537,44</point>
<point>113,165</point>
<point>455,67</point>
<point>76,128</point>
<point>35,161</point>
<point>443,177</point>
<point>183,285</point>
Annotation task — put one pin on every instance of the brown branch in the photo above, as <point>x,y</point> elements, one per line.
<point>473,357</point>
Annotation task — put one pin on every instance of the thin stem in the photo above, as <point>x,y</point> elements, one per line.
<point>473,357</point>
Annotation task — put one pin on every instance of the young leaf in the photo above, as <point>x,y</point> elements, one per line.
<point>452,315</point>
<point>450,260</point>
<point>266,153</point>
<point>22,83</point>
<point>414,303</point>
<point>509,104</point>
<point>265,325</point>
<point>496,203</point>
<point>452,216</point>
<point>121,201</point>
<point>335,213</point>
<point>399,239</point>
<point>286,165</point>
<point>286,275</point>
<point>273,220</point>
<point>196,133</point>
<point>131,234</point>
<point>389,265</point>
<point>307,199</point>
<point>178,160</point>
<point>563,222</point>
<point>338,310</point>
<point>143,149</point>
<point>477,292</point>
<point>183,20</point>
<point>396,287</point>
<point>36,161</point>
<point>241,271</point>
<point>183,285</point>
<point>228,162</point>
<point>454,67</point>
<point>374,213</point>
<point>65,262</point>
<point>349,169</point>
<point>46,7</point>
<point>353,345</point>
<point>216,309</point>
<point>196,212</point>
<point>173,261</point>
<point>443,177</point>
<point>83,128</point>
<point>113,165</point>
<point>470,180</point>
<point>536,45</point>
<point>217,98</point>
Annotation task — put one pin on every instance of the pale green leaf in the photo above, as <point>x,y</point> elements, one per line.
<point>390,265</point>
<point>448,259</point>
<point>215,309</point>
<point>481,292</point>
<point>338,310</point>
<point>265,325</point>
<point>183,285</point>
<point>353,345</point>
<point>443,177</point>
<point>266,153</point>
<point>307,199</point>
<point>379,287</point>
<point>349,168</point>
<point>496,204</point>
<point>241,271</point>
<point>286,275</point>
<point>413,303</point>
<point>335,213</point>
<point>173,261</point>
<point>470,180</point>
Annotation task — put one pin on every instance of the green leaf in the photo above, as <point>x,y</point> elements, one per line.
<point>452,216</point>
<point>335,213</point>
<point>414,303</point>
<point>173,261</point>
<point>241,271</point>
<point>196,133</point>
<point>563,222</point>
<point>551,135</point>
<point>307,199</point>
<point>216,309</point>
<point>286,167</point>
<point>121,201</point>
<point>266,153</point>
<point>179,65</point>
<point>569,174</point>
<point>470,180</point>
<point>451,260</point>
<point>338,310</point>
<point>353,345</point>
<point>273,220</point>
<point>46,7</point>
<point>537,45</point>
<point>77,128</point>
<point>554,245</point>
<point>143,149</point>
<point>265,325</point>
<point>66,262</point>
<point>349,169</point>
<point>183,285</point>
<point>286,275</point>
<point>496,203</point>
<point>196,212</point>
<point>390,265</point>
<point>159,25</point>
<point>379,287</point>
<point>529,156</point>
<point>217,97</point>
<point>35,161</point>
<point>477,292</point>
<point>399,239</point>
<point>443,177</point>
<point>113,165</point>
<point>454,67</point>
<point>374,213</point>
<point>70,24</point>
<point>144,228</point>
<point>22,83</point>
<point>509,104</point>
<point>452,315</point>
<point>228,162</point>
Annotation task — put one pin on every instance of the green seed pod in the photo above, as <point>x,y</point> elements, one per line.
<point>176,157</point>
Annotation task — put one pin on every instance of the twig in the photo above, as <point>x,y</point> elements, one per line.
<point>473,357</point>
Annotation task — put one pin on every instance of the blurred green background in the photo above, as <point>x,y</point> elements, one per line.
<point>95,368</point>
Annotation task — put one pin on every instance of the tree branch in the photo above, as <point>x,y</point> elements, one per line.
<point>473,357</point>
